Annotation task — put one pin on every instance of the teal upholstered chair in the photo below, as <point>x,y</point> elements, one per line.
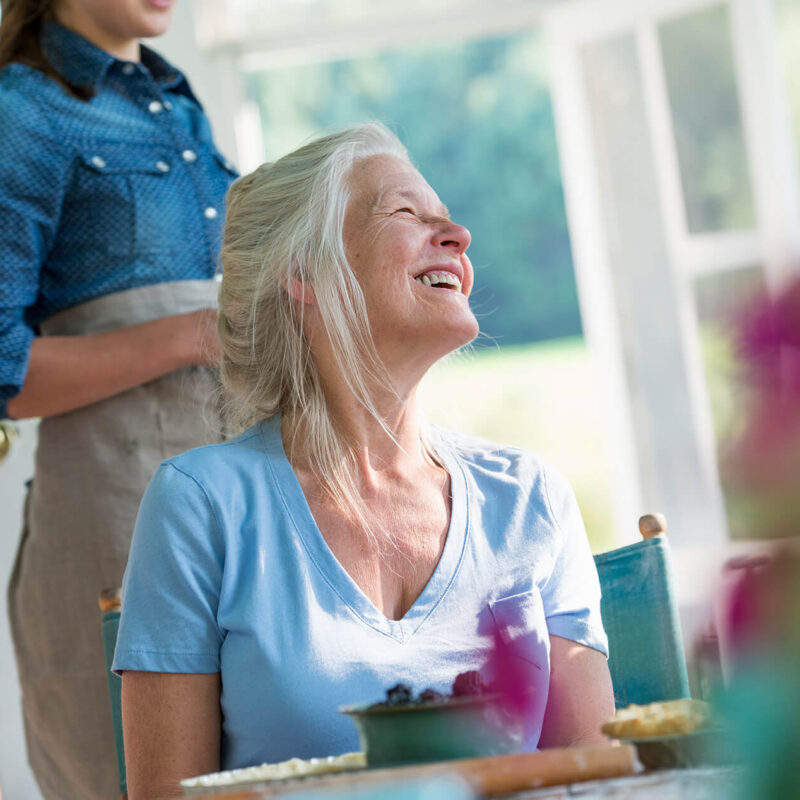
<point>110,605</point>
<point>640,615</point>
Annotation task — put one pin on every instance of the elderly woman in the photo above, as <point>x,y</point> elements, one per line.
<point>339,545</point>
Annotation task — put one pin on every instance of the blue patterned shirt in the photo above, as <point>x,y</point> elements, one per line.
<point>122,191</point>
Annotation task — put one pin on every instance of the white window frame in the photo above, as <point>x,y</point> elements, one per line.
<point>774,241</point>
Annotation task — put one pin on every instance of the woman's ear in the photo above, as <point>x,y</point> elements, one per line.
<point>302,291</point>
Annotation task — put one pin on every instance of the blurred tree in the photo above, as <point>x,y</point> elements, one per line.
<point>478,122</point>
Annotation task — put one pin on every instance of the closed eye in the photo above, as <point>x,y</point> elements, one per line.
<point>404,210</point>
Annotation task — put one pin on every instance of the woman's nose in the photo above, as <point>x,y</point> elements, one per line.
<point>453,236</point>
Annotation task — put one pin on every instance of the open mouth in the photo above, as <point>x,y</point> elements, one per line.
<point>440,280</point>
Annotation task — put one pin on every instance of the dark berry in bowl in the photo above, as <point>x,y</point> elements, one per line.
<point>468,683</point>
<point>431,696</point>
<point>399,695</point>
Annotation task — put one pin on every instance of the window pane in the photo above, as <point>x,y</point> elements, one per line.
<point>701,82</point>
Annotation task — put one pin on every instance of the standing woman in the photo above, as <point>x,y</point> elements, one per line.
<point>111,203</point>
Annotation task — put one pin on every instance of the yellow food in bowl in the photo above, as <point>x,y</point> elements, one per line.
<point>659,719</point>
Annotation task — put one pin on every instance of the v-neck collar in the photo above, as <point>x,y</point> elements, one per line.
<point>332,571</point>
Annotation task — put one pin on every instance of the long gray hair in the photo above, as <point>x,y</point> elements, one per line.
<point>284,224</point>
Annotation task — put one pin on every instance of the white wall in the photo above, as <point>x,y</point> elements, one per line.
<point>15,777</point>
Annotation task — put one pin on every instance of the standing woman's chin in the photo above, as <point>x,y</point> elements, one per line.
<point>159,16</point>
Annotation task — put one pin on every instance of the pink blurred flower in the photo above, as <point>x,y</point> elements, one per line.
<point>762,466</point>
<point>511,678</point>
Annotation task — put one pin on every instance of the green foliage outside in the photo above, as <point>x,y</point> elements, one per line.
<point>478,123</point>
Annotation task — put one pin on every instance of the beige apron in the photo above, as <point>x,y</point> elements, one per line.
<point>92,466</point>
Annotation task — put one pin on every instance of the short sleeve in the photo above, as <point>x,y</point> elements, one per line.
<point>34,165</point>
<point>171,588</point>
<point>571,594</point>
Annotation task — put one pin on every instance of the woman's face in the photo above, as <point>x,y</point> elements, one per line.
<point>410,261</point>
<point>115,25</point>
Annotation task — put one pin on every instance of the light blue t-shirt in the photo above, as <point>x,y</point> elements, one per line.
<point>229,573</point>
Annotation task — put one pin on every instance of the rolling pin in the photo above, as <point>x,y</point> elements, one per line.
<point>500,775</point>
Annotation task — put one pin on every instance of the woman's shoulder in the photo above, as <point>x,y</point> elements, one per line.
<point>26,85</point>
<point>491,462</point>
<point>225,480</point>
<point>15,75</point>
<point>220,458</point>
<point>19,87</point>
<point>28,100</point>
<point>489,455</point>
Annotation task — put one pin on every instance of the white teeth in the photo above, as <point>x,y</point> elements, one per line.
<point>435,278</point>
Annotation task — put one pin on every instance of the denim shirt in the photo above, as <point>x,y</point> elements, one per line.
<point>122,191</point>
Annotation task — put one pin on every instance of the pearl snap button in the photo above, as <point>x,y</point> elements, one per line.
<point>162,165</point>
<point>189,156</point>
<point>155,107</point>
<point>98,162</point>
<point>168,105</point>
<point>210,212</point>
<point>128,69</point>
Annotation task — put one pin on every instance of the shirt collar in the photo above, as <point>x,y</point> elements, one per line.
<point>84,64</point>
<point>77,59</point>
<point>162,71</point>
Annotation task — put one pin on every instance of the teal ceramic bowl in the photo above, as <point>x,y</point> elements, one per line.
<point>463,727</point>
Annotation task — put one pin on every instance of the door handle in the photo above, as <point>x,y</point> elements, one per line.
<point>8,433</point>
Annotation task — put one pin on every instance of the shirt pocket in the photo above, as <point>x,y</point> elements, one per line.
<point>127,197</point>
<point>521,623</point>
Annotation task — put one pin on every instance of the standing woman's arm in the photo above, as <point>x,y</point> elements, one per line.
<point>35,169</point>
<point>68,372</point>
<point>172,730</point>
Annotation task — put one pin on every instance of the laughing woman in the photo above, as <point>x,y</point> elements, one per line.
<point>339,545</point>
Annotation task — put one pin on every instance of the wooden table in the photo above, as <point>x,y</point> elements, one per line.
<point>701,783</point>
